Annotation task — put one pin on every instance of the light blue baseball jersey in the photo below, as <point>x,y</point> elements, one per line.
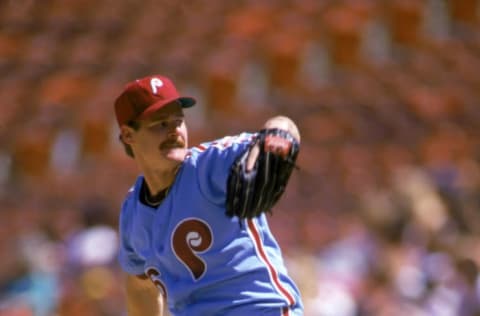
<point>204,262</point>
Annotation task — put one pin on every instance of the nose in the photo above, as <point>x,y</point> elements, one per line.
<point>174,128</point>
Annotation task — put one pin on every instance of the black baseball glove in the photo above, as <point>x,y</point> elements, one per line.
<point>251,193</point>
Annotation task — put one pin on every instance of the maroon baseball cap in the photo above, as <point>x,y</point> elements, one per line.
<point>142,97</point>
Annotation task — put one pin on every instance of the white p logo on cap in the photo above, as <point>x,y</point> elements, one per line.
<point>155,83</point>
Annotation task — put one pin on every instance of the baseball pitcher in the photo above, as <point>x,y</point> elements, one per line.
<point>193,230</point>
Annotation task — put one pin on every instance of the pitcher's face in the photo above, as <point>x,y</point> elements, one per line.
<point>162,137</point>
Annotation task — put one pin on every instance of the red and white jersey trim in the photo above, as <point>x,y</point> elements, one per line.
<point>225,142</point>
<point>201,147</point>
<point>273,273</point>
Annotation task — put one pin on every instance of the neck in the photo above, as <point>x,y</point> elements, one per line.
<point>159,180</point>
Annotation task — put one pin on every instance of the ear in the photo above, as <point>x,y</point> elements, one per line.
<point>126,133</point>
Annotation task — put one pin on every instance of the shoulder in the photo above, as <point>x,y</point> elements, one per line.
<point>132,194</point>
<point>130,201</point>
<point>209,164</point>
<point>220,151</point>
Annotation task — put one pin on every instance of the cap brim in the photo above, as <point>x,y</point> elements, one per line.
<point>185,102</point>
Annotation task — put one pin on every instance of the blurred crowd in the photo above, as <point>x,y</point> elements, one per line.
<point>381,219</point>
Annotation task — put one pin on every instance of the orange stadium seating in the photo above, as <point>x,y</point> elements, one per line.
<point>386,95</point>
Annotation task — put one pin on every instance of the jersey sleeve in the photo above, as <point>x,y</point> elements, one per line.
<point>214,161</point>
<point>129,261</point>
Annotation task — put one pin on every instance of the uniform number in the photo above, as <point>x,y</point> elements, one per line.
<point>190,238</point>
<point>154,275</point>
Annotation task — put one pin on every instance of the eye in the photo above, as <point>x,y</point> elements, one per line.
<point>161,124</point>
<point>167,123</point>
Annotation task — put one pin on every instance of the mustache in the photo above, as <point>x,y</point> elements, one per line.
<point>173,143</point>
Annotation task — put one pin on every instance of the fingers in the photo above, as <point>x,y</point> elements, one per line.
<point>252,157</point>
<point>277,145</point>
<point>284,123</point>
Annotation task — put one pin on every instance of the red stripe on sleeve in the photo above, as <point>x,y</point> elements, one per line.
<point>272,272</point>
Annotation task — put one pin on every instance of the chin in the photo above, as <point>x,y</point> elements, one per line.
<point>176,154</point>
